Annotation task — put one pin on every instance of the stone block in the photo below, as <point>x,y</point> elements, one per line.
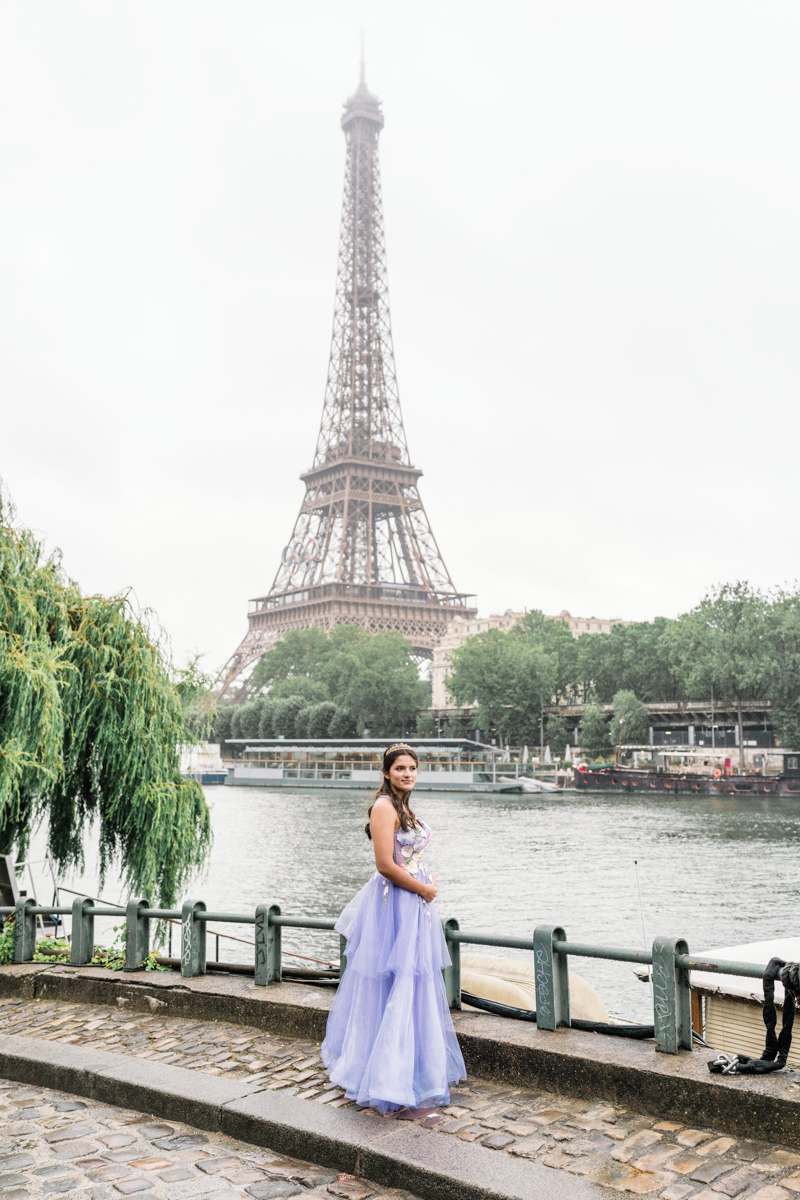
<point>686,1162</point>
<point>15,1162</point>
<point>529,1147</point>
<point>711,1171</point>
<point>70,1150</point>
<point>734,1184</point>
<point>212,1166</point>
<point>69,1134</point>
<point>654,1160</point>
<point>547,1116</point>
<point>781,1158</point>
<point>717,1147</point>
<point>271,1189</point>
<point>634,1145</point>
<point>156,1129</point>
<point>497,1141</point>
<point>693,1137</point>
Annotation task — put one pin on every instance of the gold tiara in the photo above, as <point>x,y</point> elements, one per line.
<point>398,746</point>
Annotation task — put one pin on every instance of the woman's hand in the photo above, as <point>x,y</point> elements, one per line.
<point>428,892</point>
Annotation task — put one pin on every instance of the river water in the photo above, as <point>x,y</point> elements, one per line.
<point>717,871</point>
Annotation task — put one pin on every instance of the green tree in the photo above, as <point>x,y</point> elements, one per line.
<point>509,677</point>
<point>298,655</point>
<point>343,724</point>
<point>593,734</point>
<point>320,717</point>
<point>313,691</point>
<point>426,724</point>
<point>556,735</point>
<point>382,688</point>
<point>302,719</point>
<point>221,729</point>
<point>284,715</point>
<point>634,716</point>
<point>373,678</point>
<point>195,690</point>
<point>648,658</point>
<point>783,619</point>
<point>730,646</point>
<point>554,637</point>
<point>267,727</point>
<point>91,728</point>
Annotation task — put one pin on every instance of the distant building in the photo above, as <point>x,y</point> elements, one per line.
<point>461,628</point>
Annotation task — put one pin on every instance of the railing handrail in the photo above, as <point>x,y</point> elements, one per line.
<point>669,958</point>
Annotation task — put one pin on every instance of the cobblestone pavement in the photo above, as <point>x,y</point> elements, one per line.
<point>53,1144</point>
<point>613,1146</point>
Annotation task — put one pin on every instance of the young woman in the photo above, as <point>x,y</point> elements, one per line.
<point>390,1040</point>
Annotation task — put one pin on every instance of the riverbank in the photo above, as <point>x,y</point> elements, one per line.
<point>507,1052</point>
<point>500,1139</point>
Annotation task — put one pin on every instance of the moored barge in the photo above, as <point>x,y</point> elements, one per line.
<point>637,779</point>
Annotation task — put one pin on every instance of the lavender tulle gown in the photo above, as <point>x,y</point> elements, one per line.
<point>390,1039</point>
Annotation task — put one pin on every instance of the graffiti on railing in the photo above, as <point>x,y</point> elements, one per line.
<point>186,946</point>
<point>544,984</point>
<point>662,1008</point>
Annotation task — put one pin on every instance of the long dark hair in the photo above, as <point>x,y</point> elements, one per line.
<point>402,808</point>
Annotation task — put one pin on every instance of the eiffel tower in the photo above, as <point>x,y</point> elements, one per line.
<point>362,550</point>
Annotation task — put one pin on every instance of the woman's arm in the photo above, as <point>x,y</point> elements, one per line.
<point>383,823</point>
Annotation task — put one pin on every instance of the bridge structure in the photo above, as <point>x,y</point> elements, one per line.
<point>362,550</point>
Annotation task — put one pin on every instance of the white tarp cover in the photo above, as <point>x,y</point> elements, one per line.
<point>754,952</point>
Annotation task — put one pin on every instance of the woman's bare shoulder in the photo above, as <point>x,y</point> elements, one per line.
<point>384,805</point>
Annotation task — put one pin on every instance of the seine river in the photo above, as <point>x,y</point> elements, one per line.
<point>717,871</point>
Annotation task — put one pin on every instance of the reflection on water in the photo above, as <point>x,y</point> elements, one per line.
<point>717,871</point>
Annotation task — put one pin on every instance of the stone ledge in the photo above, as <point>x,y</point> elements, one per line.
<point>292,1009</point>
<point>677,1087</point>
<point>356,1142</point>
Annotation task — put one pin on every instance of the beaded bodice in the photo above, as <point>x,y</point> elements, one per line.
<point>409,846</point>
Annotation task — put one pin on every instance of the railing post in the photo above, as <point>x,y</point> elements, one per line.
<point>82,943</point>
<point>452,974</point>
<point>672,997</point>
<point>274,964</point>
<point>552,978</point>
<point>24,930</point>
<point>342,956</point>
<point>193,939</point>
<point>137,934</point>
<point>266,933</point>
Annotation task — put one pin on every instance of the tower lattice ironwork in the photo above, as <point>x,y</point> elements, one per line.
<point>362,550</point>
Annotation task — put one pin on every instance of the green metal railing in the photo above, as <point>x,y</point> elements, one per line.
<point>669,958</point>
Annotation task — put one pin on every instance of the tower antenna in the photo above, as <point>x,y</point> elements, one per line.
<point>363,64</point>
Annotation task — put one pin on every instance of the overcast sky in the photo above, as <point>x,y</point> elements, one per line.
<point>593,240</point>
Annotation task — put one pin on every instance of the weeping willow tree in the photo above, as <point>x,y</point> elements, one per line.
<point>91,728</point>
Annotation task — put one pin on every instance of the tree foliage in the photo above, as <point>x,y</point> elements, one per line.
<point>336,684</point>
<point>509,678</point>
<point>556,735</point>
<point>594,735</point>
<point>634,717</point>
<point>92,721</point>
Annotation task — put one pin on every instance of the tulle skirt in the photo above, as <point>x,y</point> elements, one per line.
<point>390,1039</point>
